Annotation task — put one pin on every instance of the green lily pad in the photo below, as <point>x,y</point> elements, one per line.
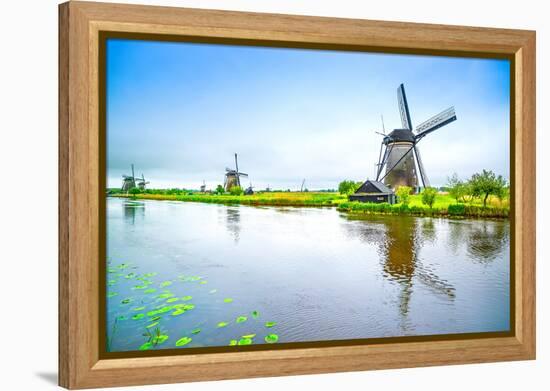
<point>140,287</point>
<point>151,325</point>
<point>203,282</point>
<point>249,336</point>
<point>270,324</point>
<point>245,341</point>
<point>130,275</point>
<point>195,331</point>
<point>165,296</point>
<point>150,274</point>
<point>241,319</point>
<point>112,294</point>
<point>271,338</point>
<point>146,346</point>
<point>160,339</point>
<point>188,307</point>
<point>255,314</point>
<point>138,316</point>
<point>186,298</point>
<point>179,311</point>
<point>121,317</point>
<point>150,290</point>
<point>125,301</point>
<point>155,318</point>
<point>228,300</point>
<point>138,308</point>
<point>233,342</point>
<point>173,299</point>
<point>183,341</point>
<point>222,324</point>
<point>165,284</point>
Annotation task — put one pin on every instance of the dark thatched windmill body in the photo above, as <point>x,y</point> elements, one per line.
<point>128,182</point>
<point>232,177</point>
<point>142,183</point>
<point>399,151</point>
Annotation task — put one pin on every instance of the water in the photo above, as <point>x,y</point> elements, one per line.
<point>318,273</point>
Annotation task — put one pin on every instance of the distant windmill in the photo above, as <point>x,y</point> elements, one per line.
<point>203,187</point>
<point>232,177</point>
<point>142,183</point>
<point>400,148</point>
<point>249,190</point>
<point>303,183</point>
<point>128,182</point>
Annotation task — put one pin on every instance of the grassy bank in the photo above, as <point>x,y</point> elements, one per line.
<point>444,206</point>
<point>257,199</point>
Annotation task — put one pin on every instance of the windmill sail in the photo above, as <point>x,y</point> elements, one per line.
<point>437,121</point>
<point>423,176</point>
<point>404,108</point>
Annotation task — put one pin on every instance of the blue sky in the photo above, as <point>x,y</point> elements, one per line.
<point>179,111</point>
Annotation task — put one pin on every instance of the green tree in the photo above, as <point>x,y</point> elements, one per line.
<point>348,187</point>
<point>219,189</point>
<point>134,191</point>
<point>487,183</point>
<point>457,188</point>
<point>428,196</point>
<point>236,190</point>
<point>404,194</point>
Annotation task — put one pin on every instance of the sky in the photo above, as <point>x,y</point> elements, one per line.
<point>179,112</point>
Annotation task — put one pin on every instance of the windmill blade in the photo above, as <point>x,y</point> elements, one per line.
<point>437,121</point>
<point>403,108</point>
<point>423,175</point>
<point>133,176</point>
<point>242,174</point>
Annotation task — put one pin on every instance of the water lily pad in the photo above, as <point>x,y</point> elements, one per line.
<point>245,341</point>
<point>179,311</point>
<point>121,317</point>
<point>203,282</point>
<point>150,290</point>
<point>188,307</point>
<point>157,340</point>
<point>151,325</point>
<point>155,318</point>
<point>138,308</point>
<point>183,341</point>
<point>195,331</point>
<point>146,346</point>
<point>249,336</point>
<point>241,319</point>
<point>186,298</point>
<point>270,324</point>
<point>126,301</point>
<point>165,296</point>
<point>130,275</point>
<point>165,284</point>
<point>150,274</point>
<point>138,316</point>
<point>233,342</point>
<point>140,287</point>
<point>112,294</point>
<point>271,338</point>
<point>228,300</point>
<point>222,324</point>
<point>255,314</point>
<point>173,299</point>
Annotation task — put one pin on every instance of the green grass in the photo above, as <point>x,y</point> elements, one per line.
<point>257,199</point>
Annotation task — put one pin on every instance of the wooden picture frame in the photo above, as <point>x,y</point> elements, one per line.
<point>81,190</point>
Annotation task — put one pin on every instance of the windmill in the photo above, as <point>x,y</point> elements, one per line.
<point>249,190</point>
<point>232,177</point>
<point>302,187</point>
<point>399,150</point>
<point>142,183</point>
<point>128,182</point>
<point>203,187</point>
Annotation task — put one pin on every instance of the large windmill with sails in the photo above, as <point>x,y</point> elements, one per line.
<point>233,177</point>
<point>399,149</point>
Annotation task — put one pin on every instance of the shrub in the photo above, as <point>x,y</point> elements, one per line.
<point>456,209</point>
<point>236,190</point>
<point>428,196</point>
<point>348,187</point>
<point>403,194</point>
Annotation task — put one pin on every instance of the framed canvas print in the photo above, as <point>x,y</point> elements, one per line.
<point>248,195</point>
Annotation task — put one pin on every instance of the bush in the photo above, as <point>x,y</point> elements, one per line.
<point>348,187</point>
<point>403,194</point>
<point>236,190</point>
<point>428,196</point>
<point>456,209</point>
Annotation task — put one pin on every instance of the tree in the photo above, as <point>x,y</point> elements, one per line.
<point>219,189</point>
<point>487,183</point>
<point>457,188</point>
<point>404,193</point>
<point>134,190</point>
<point>348,187</point>
<point>428,196</point>
<point>236,190</point>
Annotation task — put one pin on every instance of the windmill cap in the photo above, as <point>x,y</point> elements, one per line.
<point>400,135</point>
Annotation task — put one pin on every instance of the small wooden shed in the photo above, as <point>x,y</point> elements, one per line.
<point>373,191</point>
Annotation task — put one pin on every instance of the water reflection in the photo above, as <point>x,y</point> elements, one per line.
<point>485,242</point>
<point>399,240</point>
<point>233,222</point>
<point>133,209</point>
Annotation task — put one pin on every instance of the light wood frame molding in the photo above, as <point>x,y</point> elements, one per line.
<point>80,364</point>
